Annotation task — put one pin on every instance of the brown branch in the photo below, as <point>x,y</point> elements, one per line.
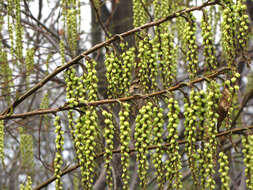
<point>98,46</point>
<point>68,170</point>
<point>109,101</point>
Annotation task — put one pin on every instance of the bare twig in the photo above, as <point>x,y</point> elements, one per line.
<point>99,19</point>
<point>109,101</point>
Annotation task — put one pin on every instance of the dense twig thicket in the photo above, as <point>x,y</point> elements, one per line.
<point>169,115</point>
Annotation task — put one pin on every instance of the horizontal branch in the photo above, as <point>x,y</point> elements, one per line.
<point>98,46</point>
<point>108,101</point>
<point>68,170</point>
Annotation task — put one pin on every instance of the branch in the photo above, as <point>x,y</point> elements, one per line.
<point>98,46</point>
<point>99,19</point>
<point>66,171</point>
<point>124,99</point>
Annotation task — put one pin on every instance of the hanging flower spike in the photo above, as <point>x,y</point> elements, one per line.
<point>229,33</point>
<point>2,141</point>
<point>191,113</point>
<point>109,137</point>
<point>142,137</point>
<point>58,161</point>
<point>191,45</point>
<point>173,163</point>
<point>209,51</point>
<point>26,149</point>
<point>124,142</point>
<point>224,171</point>
<point>247,142</point>
<point>157,156</point>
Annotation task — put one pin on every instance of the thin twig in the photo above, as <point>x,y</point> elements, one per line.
<point>109,101</point>
<point>99,20</point>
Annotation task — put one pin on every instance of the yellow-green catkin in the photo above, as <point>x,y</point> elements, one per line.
<point>29,62</point>
<point>161,9</point>
<point>109,137</point>
<point>158,124</point>
<point>71,16</point>
<point>90,132</point>
<point>10,8</point>
<point>119,70</point>
<point>91,80</point>
<point>2,141</point>
<point>79,88</point>
<point>79,145</point>
<point>163,45</point>
<point>49,56</point>
<point>228,28</point>
<point>58,161</point>
<point>191,46</point>
<point>127,64</point>
<point>139,13</point>
<point>201,156</point>
<point>62,51</point>
<point>243,27</point>
<point>168,64</point>
<point>173,163</point>
<point>202,111</point>
<point>147,65</point>
<point>2,15</point>
<point>210,145</point>
<point>114,71</point>
<point>74,89</point>
<point>142,136</point>
<point>247,142</point>
<point>85,132</point>
<point>44,105</point>
<point>22,187</point>
<point>72,29</point>
<point>232,97</point>
<point>206,132</point>
<point>209,51</point>
<point>89,127</point>
<point>19,33</point>
<point>224,171</point>
<point>191,108</point>
<point>69,20</point>
<point>26,150</point>
<point>28,184</point>
<point>76,181</point>
<point>6,80</point>
<point>125,130</point>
